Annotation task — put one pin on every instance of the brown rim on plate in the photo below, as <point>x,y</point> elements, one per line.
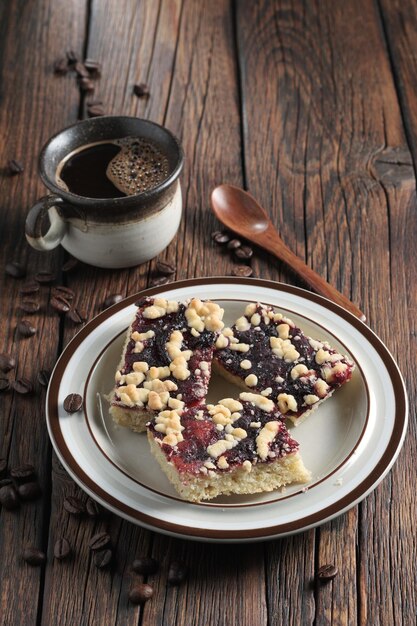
<point>223,505</point>
<point>337,507</point>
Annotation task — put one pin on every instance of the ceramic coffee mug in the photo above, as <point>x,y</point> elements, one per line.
<point>116,232</point>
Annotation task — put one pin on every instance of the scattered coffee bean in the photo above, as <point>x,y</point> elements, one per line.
<point>73,403</point>
<point>243,252</point>
<point>15,270</point>
<point>81,70</point>
<point>177,573</point>
<point>220,236</point>
<point>7,362</point>
<point>62,549</point>
<point>45,277</point>
<point>99,541</point>
<point>4,384</point>
<point>43,377</point>
<point>3,467</point>
<point>29,491</point>
<point>139,594</point>
<point>158,280</point>
<point>70,265</point>
<point>8,498</point>
<point>29,287</point>
<point>15,167</point>
<point>60,304</point>
<point>145,566</point>
<point>87,85</point>
<point>78,316</point>
<point>141,90</point>
<point>242,270</point>
<point>33,556</point>
<point>234,244</point>
<point>94,67</point>
<point>114,298</point>
<point>6,481</point>
<point>95,110</point>
<point>24,472</point>
<point>326,573</point>
<point>165,268</point>
<point>61,66</point>
<point>103,558</point>
<point>29,306</point>
<point>92,508</point>
<point>62,291</point>
<point>72,57</point>
<point>22,386</point>
<point>26,329</point>
<point>74,505</point>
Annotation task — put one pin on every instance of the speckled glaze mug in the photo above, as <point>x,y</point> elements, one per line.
<point>115,232</point>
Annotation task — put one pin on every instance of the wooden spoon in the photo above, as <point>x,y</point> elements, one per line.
<point>240,212</point>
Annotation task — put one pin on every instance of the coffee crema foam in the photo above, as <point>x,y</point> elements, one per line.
<point>139,166</point>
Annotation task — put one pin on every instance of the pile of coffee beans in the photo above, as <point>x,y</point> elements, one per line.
<point>163,274</point>
<point>18,485</point>
<point>86,71</point>
<point>240,251</point>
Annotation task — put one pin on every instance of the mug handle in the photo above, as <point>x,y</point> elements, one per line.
<point>48,205</point>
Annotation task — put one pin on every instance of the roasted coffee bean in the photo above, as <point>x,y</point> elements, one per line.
<point>94,67</point>
<point>234,244</point>
<point>92,508</point>
<point>3,467</point>
<point>72,57</point>
<point>177,573</point>
<point>4,384</point>
<point>15,167</point>
<point>62,549</point>
<point>99,541</point>
<point>165,268</point>
<point>8,498</point>
<point>7,362</point>
<point>139,594</point>
<point>33,556</point>
<point>15,270</point>
<point>30,287</point>
<point>102,558</point>
<point>73,403</point>
<point>145,566</point>
<point>243,252</point>
<point>113,298</point>
<point>86,84</point>
<point>327,572</point>
<point>242,270</point>
<point>141,90</point>
<point>29,306</point>
<point>81,70</point>
<point>22,386</point>
<point>29,491</point>
<point>43,378</point>
<point>220,236</point>
<point>95,110</point>
<point>62,291</point>
<point>45,277</point>
<point>23,472</point>
<point>6,481</point>
<point>26,328</point>
<point>78,316</point>
<point>60,304</point>
<point>70,265</point>
<point>159,280</point>
<point>74,505</point>
<point>61,66</point>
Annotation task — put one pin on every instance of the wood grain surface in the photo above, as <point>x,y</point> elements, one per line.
<point>312,107</point>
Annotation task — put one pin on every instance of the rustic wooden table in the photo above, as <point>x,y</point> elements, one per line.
<point>313,107</point>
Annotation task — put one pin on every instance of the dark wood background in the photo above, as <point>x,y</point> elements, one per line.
<point>313,107</point>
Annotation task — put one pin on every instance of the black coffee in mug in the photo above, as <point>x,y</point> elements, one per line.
<point>113,169</point>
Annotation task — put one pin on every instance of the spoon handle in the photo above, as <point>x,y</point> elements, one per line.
<point>271,241</point>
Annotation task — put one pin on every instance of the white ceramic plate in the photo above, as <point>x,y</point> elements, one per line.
<point>349,443</point>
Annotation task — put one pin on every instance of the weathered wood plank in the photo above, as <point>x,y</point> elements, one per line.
<point>324,129</point>
<point>34,103</point>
